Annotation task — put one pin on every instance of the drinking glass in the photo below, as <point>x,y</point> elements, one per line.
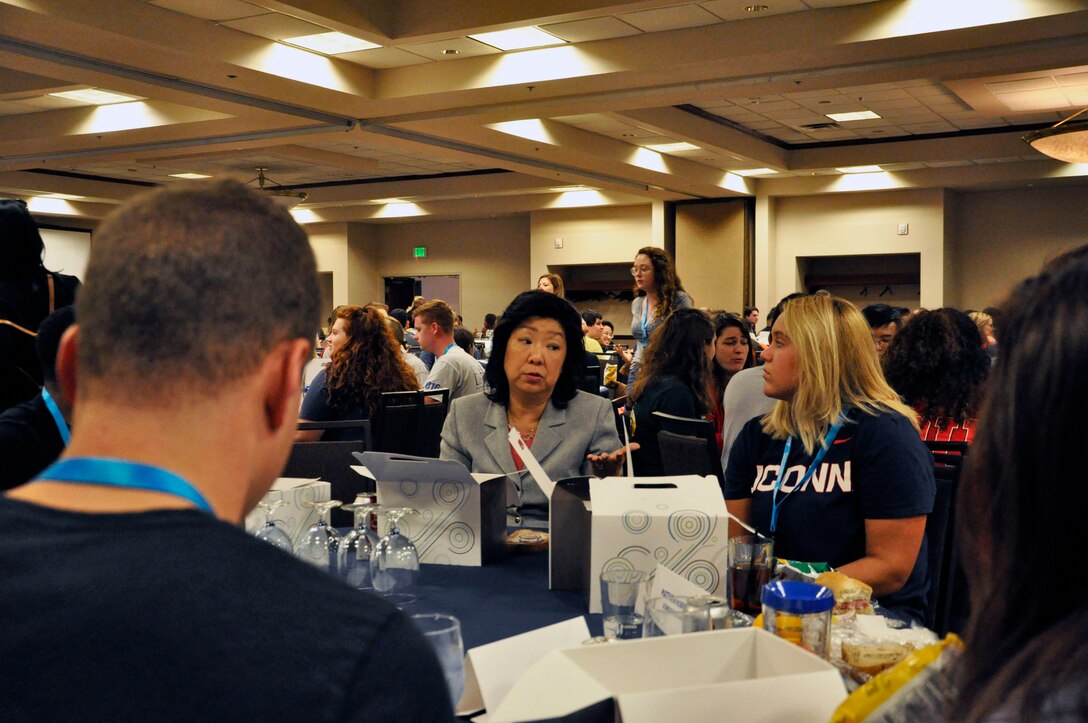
<point>356,547</point>
<point>676,615</point>
<point>751,564</point>
<point>621,617</point>
<point>318,545</point>
<point>394,564</point>
<point>272,531</point>
<point>443,632</point>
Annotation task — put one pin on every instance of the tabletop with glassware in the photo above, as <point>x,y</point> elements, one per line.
<point>459,607</point>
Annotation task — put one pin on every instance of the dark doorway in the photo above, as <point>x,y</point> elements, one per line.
<point>400,290</point>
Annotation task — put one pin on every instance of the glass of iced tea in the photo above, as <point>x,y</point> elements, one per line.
<point>751,565</point>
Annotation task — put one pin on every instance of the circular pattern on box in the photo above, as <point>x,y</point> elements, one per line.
<point>703,574</point>
<point>460,538</point>
<point>689,525</point>
<point>636,521</point>
<point>448,492</point>
<point>408,488</point>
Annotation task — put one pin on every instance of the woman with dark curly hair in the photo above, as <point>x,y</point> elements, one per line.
<point>365,363</point>
<point>532,394</point>
<point>658,292</point>
<point>937,365</point>
<point>675,380</point>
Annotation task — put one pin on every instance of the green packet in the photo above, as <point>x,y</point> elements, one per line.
<point>798,570</point>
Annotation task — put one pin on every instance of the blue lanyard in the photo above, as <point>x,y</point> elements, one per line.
<point>828,440</point>
<point>58,418</point>
<point>119,473</point>
<point>452,344</point>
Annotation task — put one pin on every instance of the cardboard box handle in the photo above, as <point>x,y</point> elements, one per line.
<point>655,486</point>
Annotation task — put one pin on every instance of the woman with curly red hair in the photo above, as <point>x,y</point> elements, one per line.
<point>365,363</point>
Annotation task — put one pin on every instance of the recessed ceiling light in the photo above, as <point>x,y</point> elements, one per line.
<point>94,96</point>
<point>331,43</point>
<point>391,200</point>
<point>188,175</point>
<point>755,8</point>
<point>571,189</point>
<point>62,196</point>
<point>754,171</point>
<point>853,116</point>
<point>451,51</point>
<point>518,38</point>
<point>860,169</point>
<point>673,147</point>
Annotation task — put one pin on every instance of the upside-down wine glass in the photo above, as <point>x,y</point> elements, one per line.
<point>394,565</point>
<point>356,547</point>
<point>318,545</point>
<point>272,531</point>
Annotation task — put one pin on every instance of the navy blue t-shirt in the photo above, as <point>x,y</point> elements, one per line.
<point>878,468</point>
<point>316,408</point>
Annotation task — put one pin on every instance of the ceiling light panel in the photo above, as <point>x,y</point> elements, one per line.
<point>189,176</point>
<point>859,169</point>
<point>518,38</point>
<point>94,96</point>
<point>331,43</point>
<point>675,147</point>
<point>858,115</point>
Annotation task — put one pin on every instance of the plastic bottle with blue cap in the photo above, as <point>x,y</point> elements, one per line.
<point>799,612</point>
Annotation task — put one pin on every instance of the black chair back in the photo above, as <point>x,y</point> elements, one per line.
<point>410,422</point>
<point>688,446</point>
<point>331,462</point>
<point>947,594</point>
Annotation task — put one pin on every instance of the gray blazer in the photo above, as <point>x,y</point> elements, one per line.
<point>475,435</point>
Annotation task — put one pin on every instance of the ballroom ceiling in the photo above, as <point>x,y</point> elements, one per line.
<point>628,102</point>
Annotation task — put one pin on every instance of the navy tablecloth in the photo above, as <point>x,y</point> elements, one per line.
<point>498,600</point>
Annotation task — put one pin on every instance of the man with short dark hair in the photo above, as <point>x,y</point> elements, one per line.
<point>130,591</point>
<point>453,369</point>
<point>883,323</point>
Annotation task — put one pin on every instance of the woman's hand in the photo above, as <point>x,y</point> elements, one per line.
<point>609,463</point>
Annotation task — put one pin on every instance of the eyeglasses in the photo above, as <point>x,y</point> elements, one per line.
<point>635,270</point>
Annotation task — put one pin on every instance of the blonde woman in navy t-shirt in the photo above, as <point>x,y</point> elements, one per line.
<point>859,481</point>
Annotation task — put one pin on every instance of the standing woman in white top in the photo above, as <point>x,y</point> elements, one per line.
<point>658,293</point>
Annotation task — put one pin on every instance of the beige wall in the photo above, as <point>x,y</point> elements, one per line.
<point>860,223</point>
<point>329,242</point>
<point>590,236</point>
<point>1001,237</point>
<point>490,255</point>
<point>710,253</point>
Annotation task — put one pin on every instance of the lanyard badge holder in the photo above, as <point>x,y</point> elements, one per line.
<point>829,439</point>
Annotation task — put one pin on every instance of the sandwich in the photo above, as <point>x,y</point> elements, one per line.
<point>873,658</point>
<point>852,597</point>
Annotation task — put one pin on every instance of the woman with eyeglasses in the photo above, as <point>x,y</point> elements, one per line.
<point>658,293</point>
<point>836,472</point>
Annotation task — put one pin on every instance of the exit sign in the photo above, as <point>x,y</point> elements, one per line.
<point>419,252</point>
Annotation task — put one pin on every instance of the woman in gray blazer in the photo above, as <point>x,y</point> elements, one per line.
<point>536,360</point>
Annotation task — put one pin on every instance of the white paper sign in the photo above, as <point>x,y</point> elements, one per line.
<point>491,670</point>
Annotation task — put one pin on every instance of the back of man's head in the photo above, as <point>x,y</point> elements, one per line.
<point>879,315</point>
<point>590,316</point>
<point>396,328</point>
<point>436,312</point>
<point>175,274</point>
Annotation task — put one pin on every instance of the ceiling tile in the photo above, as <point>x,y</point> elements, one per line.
<point>466,47</point>
<point>671,18</point>
<point>275,26</point>
<point>212,9</point>
<point>1072,79</point>
<point>583,31</point>
<point>735,9</point>
<point>1034,100</point>
<point>383,58</point>
<point>936,127</point>
<point>1015,86</point>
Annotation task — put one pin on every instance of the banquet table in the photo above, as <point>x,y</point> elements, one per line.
<point>498,600</point>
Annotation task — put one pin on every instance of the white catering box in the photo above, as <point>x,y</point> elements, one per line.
<point>462,516</point>
<point>744,675</point>
<point>295,515</point>
<point>637,523</point>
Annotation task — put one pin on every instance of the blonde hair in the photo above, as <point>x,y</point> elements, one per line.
<point>982,320</point>
<point>838,368</point>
